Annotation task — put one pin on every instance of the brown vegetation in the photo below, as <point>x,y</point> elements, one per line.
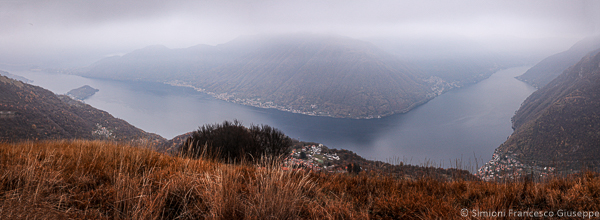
<point>97,179</point>
<point>233,142</point>
<point>39,114</point>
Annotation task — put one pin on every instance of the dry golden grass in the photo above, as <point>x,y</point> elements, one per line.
<point>104,180</point>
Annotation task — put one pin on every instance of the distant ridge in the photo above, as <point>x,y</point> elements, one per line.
<point>327,75</point>
<point>303,73</point>
<point>549,68</point>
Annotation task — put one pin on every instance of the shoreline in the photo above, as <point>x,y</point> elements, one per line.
<point>270,105</point>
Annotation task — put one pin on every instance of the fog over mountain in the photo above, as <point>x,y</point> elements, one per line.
<point>68,33</point>
<point>549,68</point>
<point>310,74</point>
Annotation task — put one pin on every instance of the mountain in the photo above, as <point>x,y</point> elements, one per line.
<point>161,64</point>
<point>30,112</point>
<point>303,73</point>
<point>158,63</point>
<point>332,76</point>
<point>552,66</point>
<point>558,126</point>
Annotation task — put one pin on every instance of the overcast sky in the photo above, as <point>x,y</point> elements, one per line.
<point>58,27</point>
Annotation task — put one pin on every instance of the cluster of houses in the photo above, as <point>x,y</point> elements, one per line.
<point>251,102</point>
<point>7,114</point>
<point>260,104</point>
<point>103,132</point>
<point>505,167</point>
<point>311,157</point>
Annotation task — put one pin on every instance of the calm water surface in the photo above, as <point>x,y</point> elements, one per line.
<point>460,125</point>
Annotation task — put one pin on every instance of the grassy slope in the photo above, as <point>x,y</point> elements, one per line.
<point>95,179</point>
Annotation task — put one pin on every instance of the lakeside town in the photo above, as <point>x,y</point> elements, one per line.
<point>313,158</point>
<point>259,103</point>
<point>507,167</point>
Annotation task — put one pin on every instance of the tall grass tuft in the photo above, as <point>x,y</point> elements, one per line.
<point>105,180</point>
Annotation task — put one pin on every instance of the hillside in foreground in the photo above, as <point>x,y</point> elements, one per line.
<point>103,180</point>
<point>29,112</point>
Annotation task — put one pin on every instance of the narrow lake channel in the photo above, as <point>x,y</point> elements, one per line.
<point>458,126</point>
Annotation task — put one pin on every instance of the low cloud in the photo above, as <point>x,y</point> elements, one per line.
<point>33,27</point>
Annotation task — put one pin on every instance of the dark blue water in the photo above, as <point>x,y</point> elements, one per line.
<point>460,125</point>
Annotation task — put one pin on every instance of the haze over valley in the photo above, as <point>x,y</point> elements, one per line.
<point>423,81</point>
<point>312,109</point>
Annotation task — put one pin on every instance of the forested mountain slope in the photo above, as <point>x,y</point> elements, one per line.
<point>32,113</point>
<point>303,73</point>
<point>559,125</point>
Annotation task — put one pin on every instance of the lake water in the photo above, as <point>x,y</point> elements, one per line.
<point>458,126</point>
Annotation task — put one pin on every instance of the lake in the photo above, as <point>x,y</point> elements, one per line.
<point>461,126</point>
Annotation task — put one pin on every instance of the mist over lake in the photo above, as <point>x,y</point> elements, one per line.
<point>461,124</point>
